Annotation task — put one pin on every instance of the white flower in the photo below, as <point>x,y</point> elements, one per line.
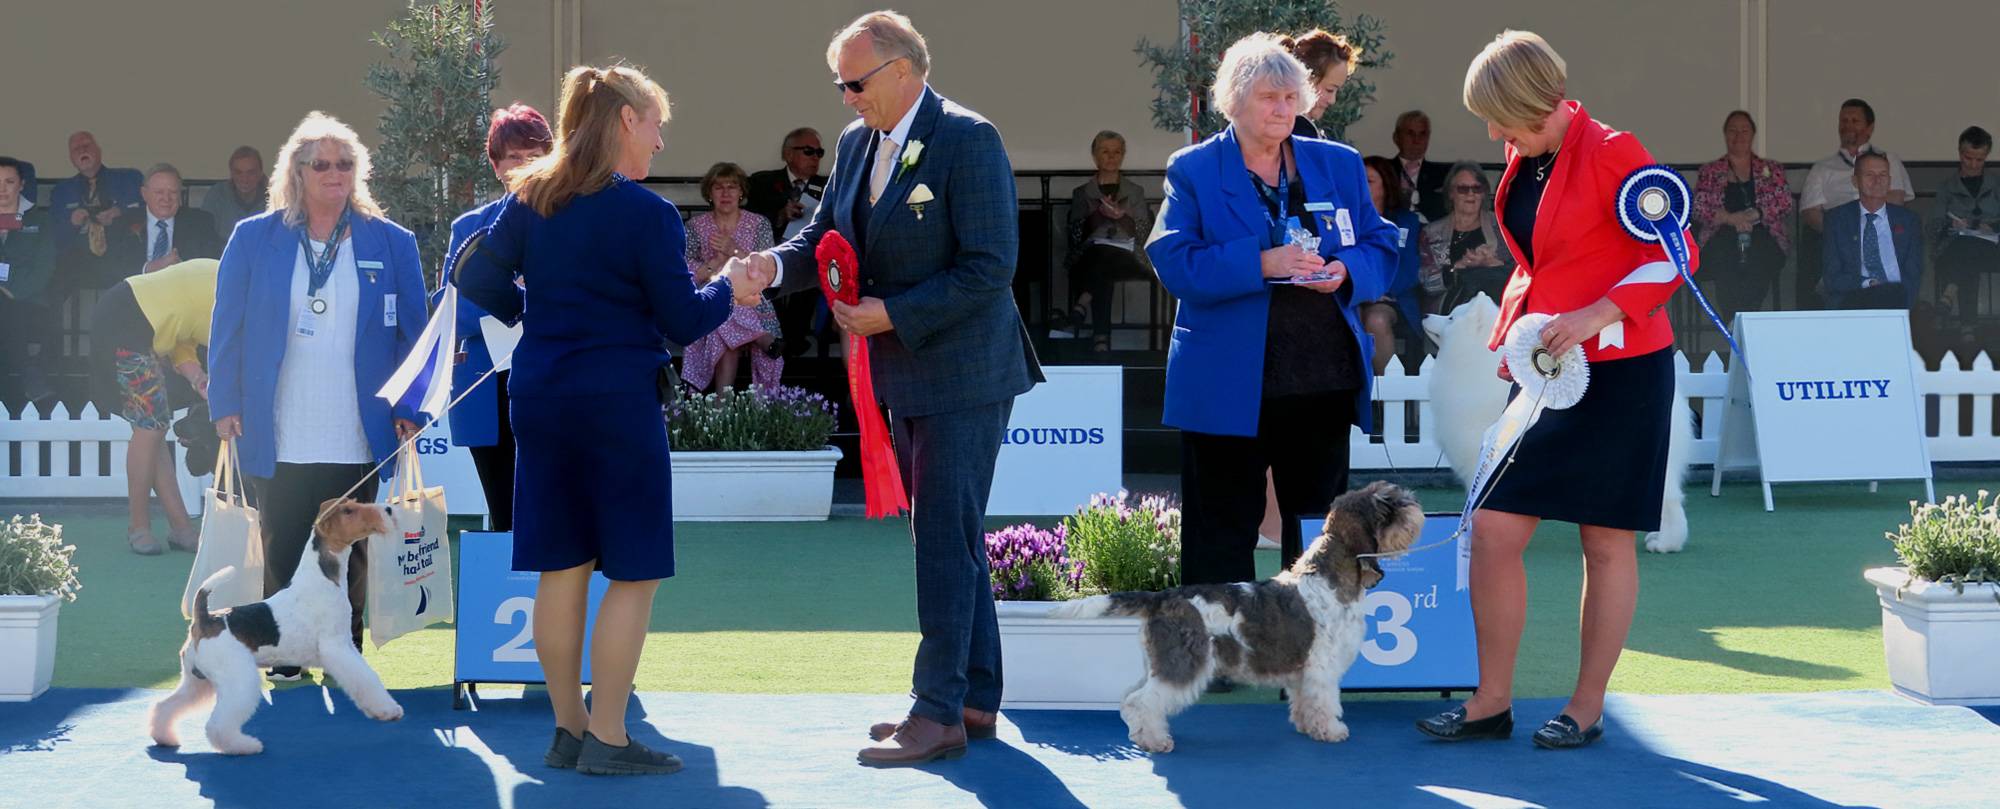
<point>911,153</point>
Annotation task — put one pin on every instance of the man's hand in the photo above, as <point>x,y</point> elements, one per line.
<point>867,318</point>
<point>107,216</point>
<point>794,211</point>
<point>78,217</point>
<point>196,377</point>
<point>170,259</point>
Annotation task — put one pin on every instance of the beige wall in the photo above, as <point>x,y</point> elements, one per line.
<point>159,81</point>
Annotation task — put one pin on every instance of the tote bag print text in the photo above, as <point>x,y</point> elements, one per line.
<point>409,572</point>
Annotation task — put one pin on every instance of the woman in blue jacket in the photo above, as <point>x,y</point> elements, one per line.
<point>316,302</point>
<point>603,285</point>
<point>1268,367</point>
<point>1399,311</point>
<point>517,136</point>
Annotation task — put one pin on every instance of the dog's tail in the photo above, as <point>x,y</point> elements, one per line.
<point>206,624</point>
<point>1106,605</point>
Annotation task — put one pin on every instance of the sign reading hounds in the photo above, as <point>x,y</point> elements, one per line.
<point>1064,443</point>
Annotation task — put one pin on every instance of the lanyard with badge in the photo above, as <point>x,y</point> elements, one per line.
<point>320,270</point>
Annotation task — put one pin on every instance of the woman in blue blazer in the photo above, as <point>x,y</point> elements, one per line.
<point>1399,311</point>
<point>1268,365</point>
<point>517,136</point>
<point>603,285</point>
<point>316,302</point>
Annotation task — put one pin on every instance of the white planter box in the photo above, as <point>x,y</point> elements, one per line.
<point>1943,647</point>
<point>1048,663</point>
<point>754,486</point>
<point>27,645</point>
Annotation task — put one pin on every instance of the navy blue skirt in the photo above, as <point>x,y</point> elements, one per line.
<point>593,482</point>
<point>1602,462</point>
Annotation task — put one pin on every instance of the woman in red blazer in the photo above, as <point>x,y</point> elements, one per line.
<point>1600,464</point>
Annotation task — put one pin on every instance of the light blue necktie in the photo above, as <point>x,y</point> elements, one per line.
<point>161,242</point>
<point>1871,252</point>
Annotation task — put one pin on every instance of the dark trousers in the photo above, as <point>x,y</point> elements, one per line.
<point>1302,440</point>
<point>1960,263</point>
<point>947,463</point>
<point>287,503</point>
<point>1805,285</point>
<point>1097,271</point>
<point>796,313</point>
<point>1740,278</point>
<point>496,466</point>
<point>1880,296</point>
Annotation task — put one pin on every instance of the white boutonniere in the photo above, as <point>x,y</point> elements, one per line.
<point>911,153</point>
<point>918,196</point>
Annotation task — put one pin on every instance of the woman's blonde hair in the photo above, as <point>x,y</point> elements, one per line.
<point>1516,81</point>
<point>288,181</point>
<point>589,134</point>
<point>1256,59</point>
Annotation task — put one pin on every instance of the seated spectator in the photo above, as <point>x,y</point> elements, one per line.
<point>713,239</point>
<point>167,233</point>
<point>1741,206</point>
<point>1398,312</point>
<point>27,262</point>
<point>1107,218</point>
<point>1422,179</point>
<point>787,198</point>
<point>88,206</point>
<point>1462,254</point>
<point>1873,247</point>
<point>245,195</point>
<point>1329,60</point>
<point>1964,218</point>
<point>141,326</point>
<point>1831,183</point>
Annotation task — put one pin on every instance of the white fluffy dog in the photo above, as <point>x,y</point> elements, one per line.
<point>305,624</point>
<point>1299,630</point>
<point>1466,397</point>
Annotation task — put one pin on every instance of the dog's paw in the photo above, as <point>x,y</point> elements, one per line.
<point>240,746</point>
<point>1662,542</point>
<point>167,740</point>
<point>389,712</point>
<point>1334,732</point>
<point>1154,742</point>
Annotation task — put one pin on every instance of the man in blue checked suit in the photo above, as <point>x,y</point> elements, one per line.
<point>1874,250</point>
<point>923,190</point>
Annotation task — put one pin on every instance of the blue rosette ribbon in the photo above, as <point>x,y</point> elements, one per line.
<point>1653,207</point>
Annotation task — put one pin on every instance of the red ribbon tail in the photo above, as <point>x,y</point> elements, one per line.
<point>881,478</point>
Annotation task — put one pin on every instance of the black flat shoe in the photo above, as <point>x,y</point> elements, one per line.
<point>1562,733</point>
<point>1451,726</point>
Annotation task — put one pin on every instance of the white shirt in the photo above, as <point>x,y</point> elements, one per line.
<point>1831,181</point>
<point>900,135</point>
<point>318,411</point>
<point>1887,240</point>
<point>153,235</point>
<point>807,202</point>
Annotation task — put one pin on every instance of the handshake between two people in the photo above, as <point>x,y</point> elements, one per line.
<point>751,274</point>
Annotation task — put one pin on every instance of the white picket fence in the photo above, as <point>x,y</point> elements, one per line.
<point>79,466</point>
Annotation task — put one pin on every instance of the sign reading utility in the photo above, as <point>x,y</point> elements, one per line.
<point>1833,389</point>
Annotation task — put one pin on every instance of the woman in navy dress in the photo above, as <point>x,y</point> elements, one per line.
<point>600,261</point>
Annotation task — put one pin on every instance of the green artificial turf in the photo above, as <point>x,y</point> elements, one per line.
<point>1758,602</point>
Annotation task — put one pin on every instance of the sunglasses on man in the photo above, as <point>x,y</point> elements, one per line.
<point>856,85</point>
<point>810,151</point>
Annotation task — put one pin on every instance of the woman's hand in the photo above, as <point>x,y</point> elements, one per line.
<point>1336,268</point>
<point>721,244</point>
<point>1287,260</point>
<point>1504,374</point>
<point>406,429</point>
<point>196,377</point>
<point>229,427</point>
<point>747,279</point>
<point>1570,329</point>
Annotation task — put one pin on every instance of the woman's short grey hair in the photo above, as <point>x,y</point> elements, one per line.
<point>1462,167</point>
<point>892,36</point>
<point>1104,136</point>
<point>1258,59</point>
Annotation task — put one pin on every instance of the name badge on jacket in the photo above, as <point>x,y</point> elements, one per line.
<point>389,310</point>
<point>1346,225</point>
<point>6,271</point>
<point>369,269</point>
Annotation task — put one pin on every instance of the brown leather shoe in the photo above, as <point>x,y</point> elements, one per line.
<point>978,725</point>
<point>916,741</point>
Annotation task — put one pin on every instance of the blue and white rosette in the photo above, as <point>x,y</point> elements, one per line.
<point>1653,207</point>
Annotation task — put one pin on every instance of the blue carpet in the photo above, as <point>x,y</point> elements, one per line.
<point>87,748</point>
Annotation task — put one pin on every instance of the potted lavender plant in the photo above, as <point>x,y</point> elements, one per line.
<point>36,576</point>
<point>1115,543</point>
<point>752,455</point>
<point>1941,609</point>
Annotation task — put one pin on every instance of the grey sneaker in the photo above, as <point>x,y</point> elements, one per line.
<point>563,751</point>
<point>634,758</point>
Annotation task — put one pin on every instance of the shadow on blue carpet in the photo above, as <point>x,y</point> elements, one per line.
<point>87,748</point>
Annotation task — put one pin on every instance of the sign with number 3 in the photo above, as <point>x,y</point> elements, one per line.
<point>1420,634</point>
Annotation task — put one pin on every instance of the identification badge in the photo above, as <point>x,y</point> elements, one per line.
<point>1319,206</point>
<point>6,271</point>
<point>365,264</point>
<point>1346,225</point>
<point>308,323</point>
<point>1402,238</point>
<point>389,310</point>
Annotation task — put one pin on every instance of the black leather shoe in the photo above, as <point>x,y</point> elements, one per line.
<point>1562,733</point>
<point>1451,726</point>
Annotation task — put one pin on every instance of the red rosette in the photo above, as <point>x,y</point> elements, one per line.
<point>839,281</point>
